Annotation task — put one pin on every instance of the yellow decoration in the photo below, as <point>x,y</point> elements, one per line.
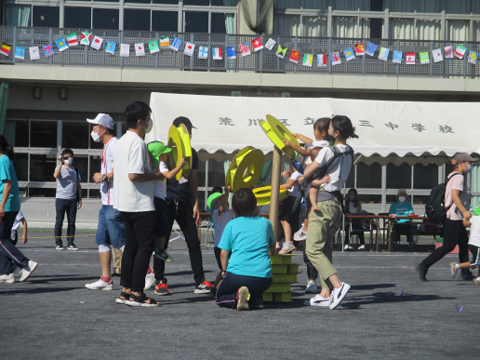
<point>264,193</point>
<point>277,133</point>
<point>179,142</point>
<point>245,169</point>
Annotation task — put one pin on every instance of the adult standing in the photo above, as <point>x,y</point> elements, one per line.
<point>182,197</point>
<point>457,201</point>
<point>111,228</point>
<point>68,198</point>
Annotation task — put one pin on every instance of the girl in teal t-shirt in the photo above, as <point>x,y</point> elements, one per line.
<point>246,244</point>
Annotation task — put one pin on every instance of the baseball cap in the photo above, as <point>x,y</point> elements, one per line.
<point>402,191</point>
<point>212,199</point>
<point>102,119</point>
<point>183,120</point>
<point>463,156</point>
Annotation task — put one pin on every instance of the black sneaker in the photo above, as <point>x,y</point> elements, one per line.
<point>466,277</point>
<point>422,271</point>
<point>161,254</point>
<point>203,288</point>
<point>161,288</point>
<point>72,247</point>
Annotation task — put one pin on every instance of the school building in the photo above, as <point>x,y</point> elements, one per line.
<point>50,98</point>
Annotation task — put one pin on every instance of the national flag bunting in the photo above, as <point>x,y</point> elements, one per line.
<point>217,53</point>
<point>231,52</point>
<point>281,52</point>
<point>140,49</point>
<point>153,47</point>
<point>110,47</point>
<point>460,51</point>
<point>437,55</point>
<point>294,56</point>
<point>176,43</point>
<point>322,60</point>
<point>20,52</point>
<point>307,60</point>
<point>203,52</point>
<point>86,38</point>
<point>472,57</point>
<point>244,49</point>
<point>410,58</point>
<point>5,49</point>
<point>61,44</point>
<point>125,50</point>
<point>336,60</point>
<point>397,57</point>
<point>164,41</point>
<point>257,44</point>
<point>189,49</point>
<point>72,39</point>
<point>34,53</point>
<point>448,52</point>
<point>360,49</point>
<point>97,42</point>
<point>424,57</point>
<point>48,50</point>
<point>348,52</point>
<point>270,44</point>
<point>371,48</point>
<point>383,53</point>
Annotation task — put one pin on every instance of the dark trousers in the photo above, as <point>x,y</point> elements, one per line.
<point>217,251</point>
<point>475,258</point>
<point>228,287</point>
<point>358,229</point>
<point>9,254</point>
<point>63,206</point>
<point>453,233</point>
<point>183,214</point>
<point>312,273</point>
<point>139,245</point>
<point>399,229</point>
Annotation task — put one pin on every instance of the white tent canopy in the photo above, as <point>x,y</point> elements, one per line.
<point>419,131</point>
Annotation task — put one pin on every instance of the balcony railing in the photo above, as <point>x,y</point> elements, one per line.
<point>263,61</point>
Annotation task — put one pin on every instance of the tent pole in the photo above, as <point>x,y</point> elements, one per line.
<point>275,194</point>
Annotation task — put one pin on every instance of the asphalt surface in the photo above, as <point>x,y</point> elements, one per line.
<point>388,314</point>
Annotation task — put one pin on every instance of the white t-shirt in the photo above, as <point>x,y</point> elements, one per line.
<point>294,189</point>
<point>17,223</point>
<point>475,231</point>
<point>219,222</point>
<point>320,143</point>
<point>107,164</point>
<point>352,209</point>
<point>161,185</point>
<point>131,157</point>
<point>457,182</point>
<point>340,171</point>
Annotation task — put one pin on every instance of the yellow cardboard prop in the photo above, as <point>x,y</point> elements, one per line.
<point>245,169</point>
<point>277,133</point>
<point>263,195</point>
<point>179,142</point>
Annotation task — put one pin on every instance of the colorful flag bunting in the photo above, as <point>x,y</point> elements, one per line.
<point>5,49</point>
<point>397,57</point>
<point>336,60</point>
<point>424,57</point>
<point>437,55</point>
<point>164,41</point>
<point>383,53</point>
<point>257,44</point>
<point>371,48</point>
<point>244,49</point>
<point>360,49</point>
<point>48,50</point>
<point>86,38</point>
<point>307,60</point>
<point>72,39</point>
<point>217,53</point>
<point>153,47</point>
<point>460,52</point>
<point>97,42</point>
<point>125,50</point>
<point>176,43</point>
<point>20,52</point>
<point>231,52</point>
<point>270,44</point>
<point>203,52</point>
<point>472,57</point>
<point>348,52</point>
<point>410,58</point>
<point>110,48</point>
<point>34,53</point>
<point>61,44</point>
<point>140,49</point>
<point>448,52</point>
<point>281,52</point>
<point>294,56</point>
<point>322,60</point>
<point>189,49</point>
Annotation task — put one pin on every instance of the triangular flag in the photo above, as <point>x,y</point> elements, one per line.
<point>203,52</point>
<point>72,39</point>
<point>437,55</point>
<point>448,52</point>
<point>176,43</point>
<point>97,42</point>
<point>383,54</point>
<point>257,44</point>
<point>34,53</point>
<point>5,49</point>
<point>47,49</point>
<point>360,49</point>
<point>281,52</point>
<point>86,38</point>
<point>217,53</point>
<point>231,52</point>
<point>244,49</point>
<point>164,41</point>
<point>371,48</point>
<point>335,58</point>
<point>322,60</point>
<point>189,49</point>
<point>307,60</point>
<point>294,56</point>
<point>61,44</point>
<point>460,51</point>
<point>397,57</point>
<point>20,52</point>
<point>270,44</point>
<point>424,57</point>
<point>110,47</point>
<point>410,58</point>
<point>140,49</point>
<point>125,50</point>
<point>472,57</point>
<point>348,52</point>
<point>153,46</point>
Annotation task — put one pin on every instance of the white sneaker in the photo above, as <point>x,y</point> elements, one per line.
<point>100,285</point>
<point>347,247</point>
<point>300,235</point>
<point>311,287</point>
<point>338,295</point>
<point>28,270</point>
<point>7,278</point>
<point>320,301</point>
<point>361,247</point>
<point>149,278</point>
<point>59,247</point>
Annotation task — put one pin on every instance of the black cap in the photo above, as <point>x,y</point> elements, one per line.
<point>183,120</point>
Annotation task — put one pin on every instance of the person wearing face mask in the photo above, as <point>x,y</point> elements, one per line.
<point>111,228</point>
<point>68,198</point>
<point>354,207</point>
<point>402,226</point>
<point>457,204</point>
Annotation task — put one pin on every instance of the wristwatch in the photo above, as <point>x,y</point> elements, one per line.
<point>105,178</point>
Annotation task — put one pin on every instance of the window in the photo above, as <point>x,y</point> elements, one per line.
<point>164,21</point>
<point>77,17</point>
<point>105,19</point>
<point>425,177</point>
<point>42,167</point>
<point>75,135</point>
<point>21,166</point>
<point>369,177</point>
<point>18,15</point>
<point>196,2</point>
<point>46,16</point>
<point>399,177</point>
<point>217,25</point>
<point>196,21</point>
<point>137,20</point>
<point>43,134</point>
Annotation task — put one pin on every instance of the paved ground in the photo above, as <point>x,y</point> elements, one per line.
<point>52,316</point>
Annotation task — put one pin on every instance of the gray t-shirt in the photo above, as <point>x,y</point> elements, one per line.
<point>67,183</point>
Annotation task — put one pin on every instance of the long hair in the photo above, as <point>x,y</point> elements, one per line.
<point>6,148</point>
<point>355,202</point>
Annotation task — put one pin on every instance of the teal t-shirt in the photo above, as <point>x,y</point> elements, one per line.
<point>401,209</point>
<point>7,172</point>
<point>248,240</point>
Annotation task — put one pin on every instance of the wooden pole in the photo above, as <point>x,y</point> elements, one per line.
<point>274,199</point>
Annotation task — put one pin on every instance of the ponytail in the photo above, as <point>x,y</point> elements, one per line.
<point>6,148</point>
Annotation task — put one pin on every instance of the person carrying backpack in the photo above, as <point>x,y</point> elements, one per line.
<point>457,205</point>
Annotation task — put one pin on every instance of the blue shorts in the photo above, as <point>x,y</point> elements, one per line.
<point>161,208</point>
<point>111,228</point>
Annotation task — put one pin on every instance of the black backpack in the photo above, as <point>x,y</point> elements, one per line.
<point>435,208</point>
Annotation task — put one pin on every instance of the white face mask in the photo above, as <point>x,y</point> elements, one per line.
<point>402,198</point>
<point>95,136</point>
<point>69,161</point>
<point>351,197</point>
<point>190,136</point>
<point>469,169</point>
<point>149,127</point>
